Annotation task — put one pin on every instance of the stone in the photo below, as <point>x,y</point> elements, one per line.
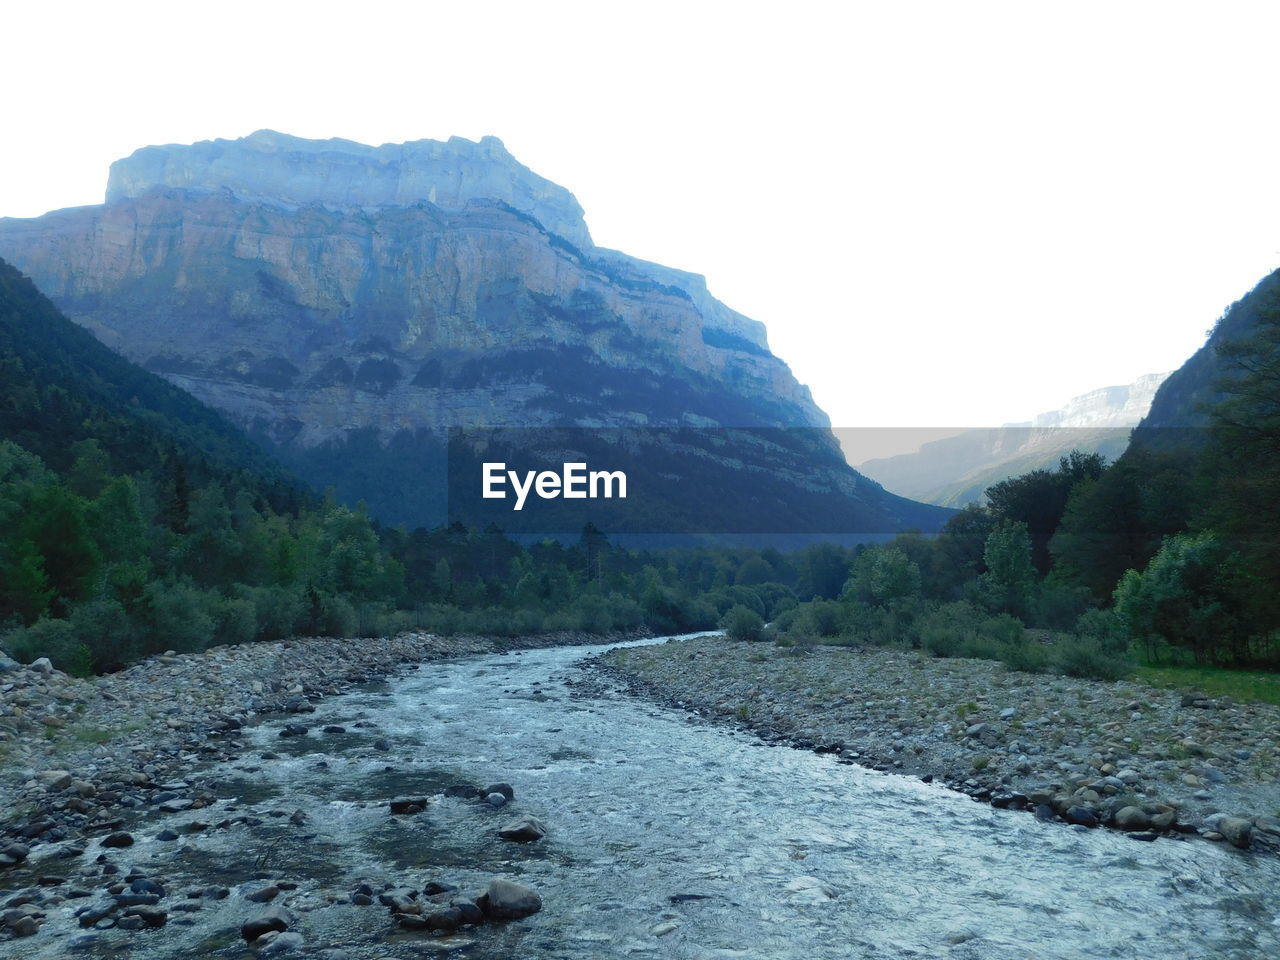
<point>283,943</point>
<point>467,910</point>
<point>263,895</point>
<point>1131,818</point>
<point>42,665</point>
<point>1237,831</point>
<point>508,900</point>
<point>496,800</point>
<point>273,918</point>
<point>1081,816</point>
<point>91,913</point>
<point>446,918</point>
<point>117,840</point>
<point>408,805</point>
<point>503,788</point>
<point>54,779</point>
<point>151,916</point>
<point>523,829</point>
<point>13,853</point>
<point>25,926</point>
<point>293,730</point>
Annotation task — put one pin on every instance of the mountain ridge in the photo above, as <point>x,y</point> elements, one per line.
<point>373,322</point>
<point>955,471</point>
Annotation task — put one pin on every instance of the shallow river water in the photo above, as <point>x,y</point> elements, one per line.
<point>668,837</point>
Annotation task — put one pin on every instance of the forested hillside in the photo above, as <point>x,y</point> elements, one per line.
<point>1170,555</point>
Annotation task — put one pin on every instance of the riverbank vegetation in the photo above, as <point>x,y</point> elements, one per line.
<point>133,520</point>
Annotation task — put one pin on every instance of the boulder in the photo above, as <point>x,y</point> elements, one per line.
<point>408,805</point>
<point>1237,831</point>
<point>524,829</point>
<point>1132,818</point>
<point>444,918</point>
<point>508,900</point>
<point>1081,816</point>
<point>273,918</point>
<point>503,788</point>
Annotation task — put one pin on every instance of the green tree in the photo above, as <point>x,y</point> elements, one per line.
<point>1010,579</point>
<point>1188,599</point>
<point>882,574</point>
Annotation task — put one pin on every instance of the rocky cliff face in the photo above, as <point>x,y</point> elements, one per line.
<point>955,471</point>
<point>334,297</point>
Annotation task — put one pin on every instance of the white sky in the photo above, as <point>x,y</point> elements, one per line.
<point>946,213</point>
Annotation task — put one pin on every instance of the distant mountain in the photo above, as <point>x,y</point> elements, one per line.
<point>348,305</point>
<point>956,470</point>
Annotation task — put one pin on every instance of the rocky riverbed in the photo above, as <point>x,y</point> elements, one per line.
<point>88,766</point>
<point>1153,763</point>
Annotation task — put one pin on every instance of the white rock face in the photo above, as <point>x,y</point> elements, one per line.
<point>276,168</point>
<point>1121,406</point>
<point>957,470</point>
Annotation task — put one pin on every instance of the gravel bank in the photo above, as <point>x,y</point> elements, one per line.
<point>80,759</point>
<point>1126,755</point>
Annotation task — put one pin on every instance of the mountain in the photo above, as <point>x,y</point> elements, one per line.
<point>956,470</point>
<point>61,387</point>
<point>1182,403</point>
<point>348,305</point>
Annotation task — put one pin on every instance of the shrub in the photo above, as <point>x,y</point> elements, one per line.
<point>55,639</point>
<point>948,631</point>
<point>177,615</point>
<point>106,630</point>
<point>742,623</point>
<point>1081,657</point>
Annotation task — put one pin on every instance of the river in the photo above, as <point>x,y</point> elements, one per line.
<point>668,837</point>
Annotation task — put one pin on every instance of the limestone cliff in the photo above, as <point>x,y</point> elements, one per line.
<point>334,297</point>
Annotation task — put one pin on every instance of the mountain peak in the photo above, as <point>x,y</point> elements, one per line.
<point>283,170</point>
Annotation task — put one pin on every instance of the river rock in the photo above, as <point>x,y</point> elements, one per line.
<point>1081,816</point>
<point>117,840</point>
<point>496,800</point>
<point>409,805</point>
<point>282,943</point>
<point>264,895</point>
<point>444,918</point>
<point>467,910</point>
<point>505,789</point>
<point>42,665</point>
<point>508,900</point>
<point>1131,818</point>
<point>26,926</point>
<point>54,779</point>
<point>151,916</point>
<point>1236,831</point>
<point>273,918</point>
<point>13,853</point>
<point>464,790</point>
<point>524,829</point>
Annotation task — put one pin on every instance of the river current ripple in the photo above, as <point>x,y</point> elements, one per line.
<point>671,837</point>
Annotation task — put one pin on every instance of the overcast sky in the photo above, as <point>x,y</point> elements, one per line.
<point>945,213</point>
